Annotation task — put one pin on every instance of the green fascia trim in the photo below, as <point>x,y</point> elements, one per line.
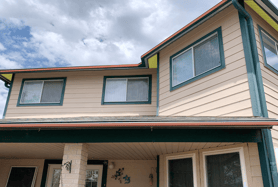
<point>266,12</point>
<point>221,66</point>
<point>43,104</point>
<point>89,162</point>
<point>130,135</point>
<point>157,87</point>
<point>5,79</point>
<point>184,31</point>
<point>270,6</point>
<point>45,170</point>
<point>157,171</point>
<point>262,45</point>
<point>253,88</point>
<point>127,103</point>
<point>8,97</point>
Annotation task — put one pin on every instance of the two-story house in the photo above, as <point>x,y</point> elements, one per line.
<point>200,110</point>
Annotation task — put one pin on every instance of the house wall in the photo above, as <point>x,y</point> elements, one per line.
<point>6,165</point>
<point>270,79</point>
<point>252,164</point>
<point>224,93</point>
<point>82,96</point>
<point>137,170</point>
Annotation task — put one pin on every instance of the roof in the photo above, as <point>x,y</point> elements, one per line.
<point>138,121</point>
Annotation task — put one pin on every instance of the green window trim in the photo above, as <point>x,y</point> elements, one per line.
<point>132,102</point>
<point>43,104</point>
<point>213,70</point>
<point>262,46</point>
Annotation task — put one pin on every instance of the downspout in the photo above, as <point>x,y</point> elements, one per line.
<point>157,87</point>
<point>9,94</point>
<point>270,175</point>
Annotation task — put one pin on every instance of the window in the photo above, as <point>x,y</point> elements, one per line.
<point>42,92</point>
<point>199,59</point>
<point>181,171</point>
<point>225,168</point>
<point>270,50</point>
<point>127,90</point>
<point>22,177</point>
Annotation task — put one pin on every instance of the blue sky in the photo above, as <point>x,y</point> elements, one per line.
<point>51,33</point>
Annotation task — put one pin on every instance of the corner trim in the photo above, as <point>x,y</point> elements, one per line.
<point>215,69</point>
<point>127,103</point>
<point>43,104</point>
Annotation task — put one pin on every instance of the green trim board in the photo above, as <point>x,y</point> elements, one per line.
<point>157,170</point>
<point>130,135</point>
<point>43,104</point>
<point>262,45</point>
<point>253,87</point>
<point>157,87</point>
<point>8,97</point>
<point>221,66</point>
<point>89,162</point>
<point>127,102</point>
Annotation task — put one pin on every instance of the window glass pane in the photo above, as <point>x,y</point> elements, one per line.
<point>270,51</point>
<point>31,92</point>
<point>206,55</point>
<point>115,90</point>
<point>56,177</point>
<point>52,91</point>
<point>181,173</point>
<point>91,178</point>
<point>224,170</point>
<point>182,67</point>
<point>21,177</point>
<point>137,89</point>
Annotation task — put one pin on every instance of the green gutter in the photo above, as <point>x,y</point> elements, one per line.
<point>266,148</point>
<point>8,97</point>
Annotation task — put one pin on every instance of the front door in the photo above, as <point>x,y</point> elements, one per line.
<point>93,175</point>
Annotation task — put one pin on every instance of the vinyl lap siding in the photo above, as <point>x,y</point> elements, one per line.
<point>224,93</point>
<point>82,96</point>
<point>270,79</point>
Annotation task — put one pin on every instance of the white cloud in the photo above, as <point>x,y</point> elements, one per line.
<point>8,64</point>
<point>2,48</point>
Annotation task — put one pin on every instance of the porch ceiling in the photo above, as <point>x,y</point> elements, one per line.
<point>101,151</point>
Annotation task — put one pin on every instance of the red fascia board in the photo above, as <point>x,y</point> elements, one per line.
<point>69,68</point>
<point>146,124</point>
<point>185,27</point>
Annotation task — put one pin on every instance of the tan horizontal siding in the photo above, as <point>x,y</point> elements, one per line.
<point>270,79</point>
<point>82,97</point>
<point>223,93</point>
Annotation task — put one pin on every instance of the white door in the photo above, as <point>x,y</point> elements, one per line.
<point>93,175</point>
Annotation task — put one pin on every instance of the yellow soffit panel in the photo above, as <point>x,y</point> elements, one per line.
<point>153,61</point>
<point>262,13</point>
<point>8,76</point>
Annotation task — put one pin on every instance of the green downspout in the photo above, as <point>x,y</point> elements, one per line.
<point>266,148</point>
<point>8,97</point>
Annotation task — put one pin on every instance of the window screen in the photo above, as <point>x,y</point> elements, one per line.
<point>224,170</point>
<point>196,60</point>
<point>270,49</point>
<point>127,89</point>
<point>21,177</point>
<point>56,177</point>
<point>180,173</point>
<point>41,91</point>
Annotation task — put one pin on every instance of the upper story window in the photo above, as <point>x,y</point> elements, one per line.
<point>270,50</point>
<point>197,60</point>
<point>42,91</point>
<point>127,90</point>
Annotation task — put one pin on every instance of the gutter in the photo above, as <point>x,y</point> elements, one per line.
<point>268,162</point>
<point>263,124</point>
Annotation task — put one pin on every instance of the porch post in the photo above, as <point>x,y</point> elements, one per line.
<point>77,154</point>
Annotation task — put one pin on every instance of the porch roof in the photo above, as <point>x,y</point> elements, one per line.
<point>139,121</point>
